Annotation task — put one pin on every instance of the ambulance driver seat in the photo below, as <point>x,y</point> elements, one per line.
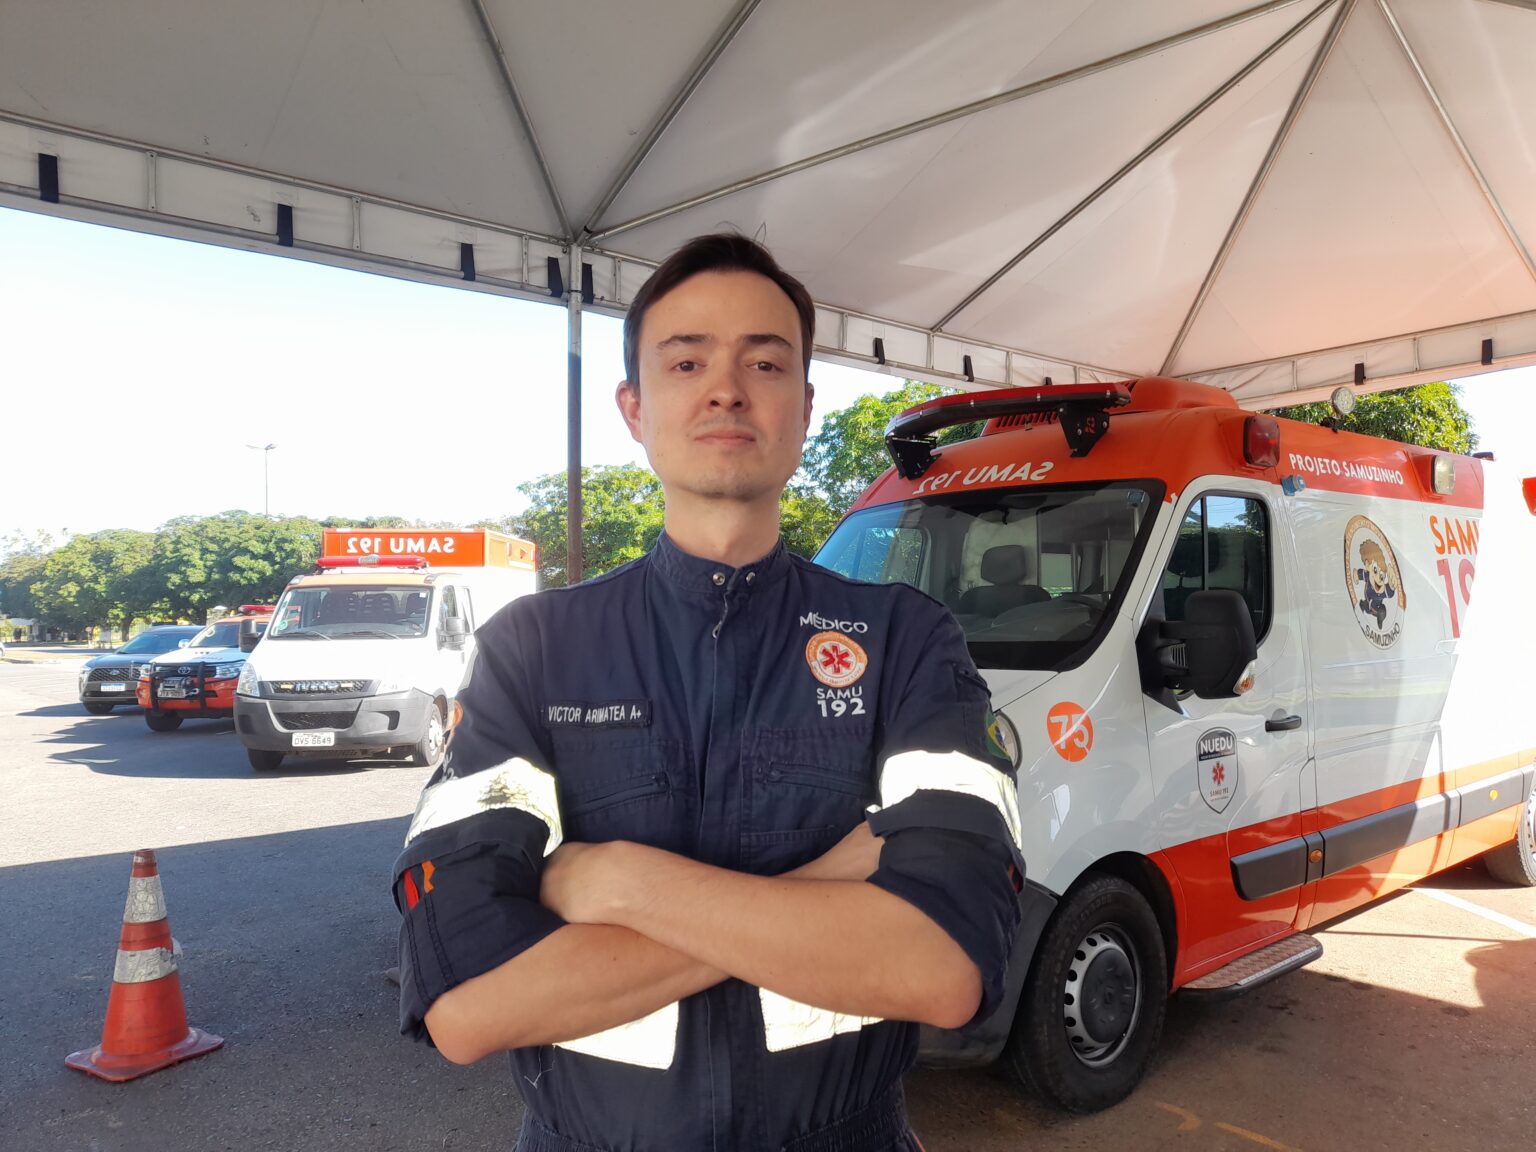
<point>1004,569</point>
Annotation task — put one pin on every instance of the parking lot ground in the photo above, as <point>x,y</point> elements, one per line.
<point>1412,1033</point>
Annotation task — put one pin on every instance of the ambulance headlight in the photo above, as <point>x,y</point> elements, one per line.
<point>248,685</point>
<point>390,687</point>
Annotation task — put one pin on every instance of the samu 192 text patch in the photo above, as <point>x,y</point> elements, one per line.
<point>611,714</point>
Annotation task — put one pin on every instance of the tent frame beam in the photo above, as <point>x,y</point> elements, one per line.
<point>1135,162</point>
<point>488,29</point>
<point>701,68</point>
<point>1449,124</point>
<point>1261,177</point>
<point>957,113</point>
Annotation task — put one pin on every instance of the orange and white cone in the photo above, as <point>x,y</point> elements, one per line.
<point>146,1028</point>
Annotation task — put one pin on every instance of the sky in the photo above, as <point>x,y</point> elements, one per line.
<point>137,370</point>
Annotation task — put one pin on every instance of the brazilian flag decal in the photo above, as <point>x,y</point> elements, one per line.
<point>995,736</point>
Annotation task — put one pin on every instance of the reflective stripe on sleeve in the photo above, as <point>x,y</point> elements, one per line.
<point>649,1042</point>
<point>513,784</point>
<point>908,772</point>
<point>790,1024</point>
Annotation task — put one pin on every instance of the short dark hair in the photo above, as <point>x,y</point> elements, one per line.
<point>720,252</point>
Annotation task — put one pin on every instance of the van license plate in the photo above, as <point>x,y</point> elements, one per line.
<point>114,687</point>
<point>314,739</point>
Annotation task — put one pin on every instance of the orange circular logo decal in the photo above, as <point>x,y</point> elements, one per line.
<point>1070,730</point>
<point>835,660</point>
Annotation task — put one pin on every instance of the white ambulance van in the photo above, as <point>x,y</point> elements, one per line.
<point>1253,674</point>
<point>366,654</point>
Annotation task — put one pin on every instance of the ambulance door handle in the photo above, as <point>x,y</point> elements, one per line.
<point>1283,724</point>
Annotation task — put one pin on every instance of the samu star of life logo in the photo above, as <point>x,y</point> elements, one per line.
<point>835,660</point>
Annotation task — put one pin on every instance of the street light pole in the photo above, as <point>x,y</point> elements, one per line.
<point>265,450</point>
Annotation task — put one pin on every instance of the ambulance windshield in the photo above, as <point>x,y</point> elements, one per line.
<point>1034,576</point>
<point>339,611</point>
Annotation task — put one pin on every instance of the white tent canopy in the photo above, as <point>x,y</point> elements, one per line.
<point>1274,197</point>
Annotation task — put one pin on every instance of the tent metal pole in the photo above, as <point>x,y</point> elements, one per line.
<point>573,562</point>
<point>1292,114</point>
<point>701,68</point>
<point>1528,5</point>
<point>1456,138</point>
<point>1135,162</point>
<point>937,119</point>
<point>521,109</point>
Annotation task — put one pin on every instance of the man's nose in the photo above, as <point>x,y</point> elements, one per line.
<point>727,387</point>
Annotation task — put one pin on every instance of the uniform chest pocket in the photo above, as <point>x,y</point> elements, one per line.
<point>622,786</point>
<point>805,790</point>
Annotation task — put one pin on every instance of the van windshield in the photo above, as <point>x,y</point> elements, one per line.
<point>1033,575</point>
<point>340,611</point>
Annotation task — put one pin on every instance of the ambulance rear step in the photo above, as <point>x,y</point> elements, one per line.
<point>1256,968</point>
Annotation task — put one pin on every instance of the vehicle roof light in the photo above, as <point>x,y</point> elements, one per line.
<point>1082,410</point>
<point>1442,475</point>
<point>255,610</point>
<point>1261,441</point>
<point>369,561</point>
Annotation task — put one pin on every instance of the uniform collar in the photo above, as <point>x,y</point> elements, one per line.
<point>694,574</point>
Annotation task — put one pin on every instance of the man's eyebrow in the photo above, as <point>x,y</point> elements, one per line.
<point>752,340</point>
<point>684,338</point>
<point>772,338</point>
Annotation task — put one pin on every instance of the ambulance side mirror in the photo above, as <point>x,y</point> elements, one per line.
<point>248,635</point>
<point>1208,653</point>
<point>454,632</point>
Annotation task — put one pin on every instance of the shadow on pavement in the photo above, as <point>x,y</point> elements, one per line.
<point>202,748</point>
<point>285,939</point>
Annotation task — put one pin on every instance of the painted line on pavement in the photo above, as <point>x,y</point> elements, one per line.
<point>1520,926</point>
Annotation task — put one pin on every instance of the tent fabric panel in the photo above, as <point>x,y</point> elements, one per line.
<point>380,96</point>
<point>595,76</point>
<point>1398,237</point>
<point>866,66</point>
<point>1456,39</point>
<point>1141,252</point>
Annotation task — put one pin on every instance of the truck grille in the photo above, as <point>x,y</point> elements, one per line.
<point>318,687</point>
<point>303,721</point>
<point>99,675</point>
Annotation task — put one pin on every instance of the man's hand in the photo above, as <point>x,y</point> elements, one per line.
<point>577,886</point>
<point>855,857</point>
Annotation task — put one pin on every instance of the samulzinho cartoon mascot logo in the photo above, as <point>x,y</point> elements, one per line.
<point>1374,582</point>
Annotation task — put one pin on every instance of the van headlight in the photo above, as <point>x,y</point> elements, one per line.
<point>248,685</point>
<point>390,687</point>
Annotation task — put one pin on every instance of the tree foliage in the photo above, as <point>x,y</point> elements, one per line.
<point>1429,415</point>
<point>200,562</point>
<point>94,580</point>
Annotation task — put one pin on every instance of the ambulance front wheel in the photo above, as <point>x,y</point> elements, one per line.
<point>1093,1005</point>
<point>429,749</point>
<point>1515,862</point>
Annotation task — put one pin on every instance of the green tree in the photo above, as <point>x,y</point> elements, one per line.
<point>94,580</point>
<point>200,562</point>
<point>621,517</point>
<point>847,454</point>
<point>18,574</point>
<point>1429,415</point>
<point>806,519</point>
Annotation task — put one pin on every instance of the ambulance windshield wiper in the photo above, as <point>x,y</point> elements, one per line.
<point>305,633</point>
<point>371,632</point>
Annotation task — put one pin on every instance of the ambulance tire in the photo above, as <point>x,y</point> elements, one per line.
<point>1103,941</point>
<point>162,721</point>
<point>429,749</point>
<point>1515,862</point>
<point>264,761</point>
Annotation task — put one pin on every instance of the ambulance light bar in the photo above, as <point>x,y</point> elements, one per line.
<point>369,561</point>
<point>255,610</point>
<point>1082,410</point>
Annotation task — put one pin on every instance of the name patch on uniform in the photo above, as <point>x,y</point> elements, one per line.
<point>613,714</point>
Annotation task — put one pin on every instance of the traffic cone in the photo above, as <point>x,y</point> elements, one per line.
<point>146,1028</point>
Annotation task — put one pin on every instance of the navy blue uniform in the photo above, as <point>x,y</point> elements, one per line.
<point>748,718</point>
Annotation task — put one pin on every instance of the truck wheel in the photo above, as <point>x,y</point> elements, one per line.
<point>162,721</point>
<point>263,761</point>
<point>1515,862</point>
<point>429,749</point>
<point>97,708</point>
<point>1093,1005</point>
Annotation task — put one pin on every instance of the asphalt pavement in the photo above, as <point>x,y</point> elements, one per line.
<point>1413,1032</point>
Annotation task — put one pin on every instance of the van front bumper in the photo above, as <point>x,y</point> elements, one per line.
<point>355,724</point>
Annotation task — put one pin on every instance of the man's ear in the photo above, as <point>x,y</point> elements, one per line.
<point>810,395</point>
<point>627,397</point>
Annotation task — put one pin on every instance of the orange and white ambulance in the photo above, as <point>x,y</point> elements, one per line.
<point>366,654</point>
<point>1253,674</point>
